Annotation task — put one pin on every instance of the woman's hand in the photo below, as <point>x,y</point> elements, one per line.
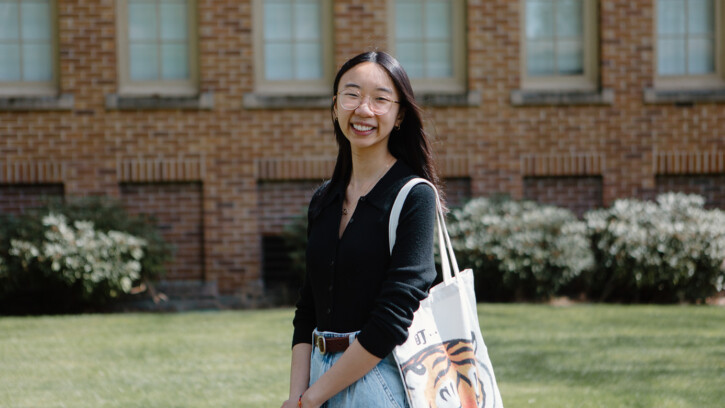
<point>294,403</point>
<point>290,403</point>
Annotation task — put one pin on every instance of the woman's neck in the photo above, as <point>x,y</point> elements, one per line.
<point>368,166</point>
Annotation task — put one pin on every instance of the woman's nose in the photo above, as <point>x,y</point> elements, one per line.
<point>366,103</point>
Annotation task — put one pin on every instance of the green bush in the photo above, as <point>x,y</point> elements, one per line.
<point>75,255</point>
<point>519,249</point>
<point>671,250</point>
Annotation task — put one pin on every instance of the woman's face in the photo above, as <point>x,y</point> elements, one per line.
<point>365,126</point>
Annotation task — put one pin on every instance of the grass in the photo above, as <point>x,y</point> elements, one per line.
<point>543,356</point>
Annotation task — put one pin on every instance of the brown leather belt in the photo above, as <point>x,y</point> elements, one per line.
<point>330,344</point>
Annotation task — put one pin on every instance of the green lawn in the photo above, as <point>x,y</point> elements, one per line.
<point>544,356</point>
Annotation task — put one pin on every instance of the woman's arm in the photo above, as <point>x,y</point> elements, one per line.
<point>354,363</point>
<point>299,373</point>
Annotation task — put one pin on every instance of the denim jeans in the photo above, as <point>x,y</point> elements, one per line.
<point>381,387</point>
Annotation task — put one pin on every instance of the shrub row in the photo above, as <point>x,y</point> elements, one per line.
<point>75,255</point>
<point>670,250</point>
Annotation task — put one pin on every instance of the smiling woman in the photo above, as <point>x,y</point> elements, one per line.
<point>358,298</point>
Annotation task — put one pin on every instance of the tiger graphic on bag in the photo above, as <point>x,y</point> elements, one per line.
<point>449,374</point>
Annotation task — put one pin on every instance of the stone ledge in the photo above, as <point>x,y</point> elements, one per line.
<point>264,101</point>
<point>37,103</point>
<point>470,98</point>
<point>520,97</point>
<point>660,96</point>
<point>204,101</point>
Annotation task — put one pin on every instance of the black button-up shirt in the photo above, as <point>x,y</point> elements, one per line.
<point>353,282</point>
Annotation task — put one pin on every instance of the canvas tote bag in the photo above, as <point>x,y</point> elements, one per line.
<point>444,362</point>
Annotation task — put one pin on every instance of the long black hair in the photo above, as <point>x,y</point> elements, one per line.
<point>408,142</point>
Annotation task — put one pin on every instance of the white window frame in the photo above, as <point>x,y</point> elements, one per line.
<point>715,80</point>
<point>302,87</point>
<point>589,80</point>
<point>129,87</point>
<point>39,88</point>
<point>456,84</point>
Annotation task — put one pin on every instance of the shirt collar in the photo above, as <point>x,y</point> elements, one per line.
<point>383,193</point>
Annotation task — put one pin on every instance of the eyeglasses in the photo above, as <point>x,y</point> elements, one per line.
<point>379,105</point>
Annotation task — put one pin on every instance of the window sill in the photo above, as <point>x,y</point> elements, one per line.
<point>522,97</point>
<point>262,101</point>
<point>204,101</point>
<point>37,103</point>
<point>267,101</point>
<point>685,97</point>
<point>470,98</point>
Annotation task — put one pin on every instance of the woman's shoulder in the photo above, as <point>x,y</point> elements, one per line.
<point>320,197</point>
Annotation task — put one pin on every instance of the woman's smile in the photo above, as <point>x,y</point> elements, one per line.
<point>362,129</point>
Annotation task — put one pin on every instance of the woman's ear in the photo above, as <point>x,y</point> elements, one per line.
<point>399,119</point>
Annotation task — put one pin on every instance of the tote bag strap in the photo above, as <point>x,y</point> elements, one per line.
<point>448,257</point>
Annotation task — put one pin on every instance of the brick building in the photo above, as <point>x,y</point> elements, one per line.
<point>214,114</point>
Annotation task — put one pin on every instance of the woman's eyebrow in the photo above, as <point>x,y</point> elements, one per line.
<point>356,86</point>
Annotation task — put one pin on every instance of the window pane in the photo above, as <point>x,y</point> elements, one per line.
<point>700,15</point>
<point>570,58</point>
<point>174,23</point>
<point>10,62</point>
<point>277,20</point>
<point>539,19</point>
<point>569,18</point>
<point>144,64</point>
<point>671,17</point>
<point>141,21</point>
<point>438,60</point>
<point>308,60</point>
<point>540,58</point>
<point>174,61</point>
<point>671,57</point>
<point>410,55</point>
<point>9,29</point>
<point>307,21</point>
<point>35,20</point>
<point>37,65</point>
<point>408,20</point>
<point>438,20</point>
<point>278,61</point>
<point>701,56</point>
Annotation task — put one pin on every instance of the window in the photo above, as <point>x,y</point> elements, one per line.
<point>688,46</point>
<point>157,47</point>
<point>560,45</point>
<point>427,37</point>
<point>293,39</point>
<point>28,64</point>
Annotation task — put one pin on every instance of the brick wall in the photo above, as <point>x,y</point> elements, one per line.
<point>578,194</point>
<point>281,201</point>
<point>457,191</point>
<point>233,151</point>
<point>712,187</point>
<point>178,213</point>
<point>18,198</point>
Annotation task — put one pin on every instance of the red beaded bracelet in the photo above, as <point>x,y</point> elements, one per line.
<point>299,402</point>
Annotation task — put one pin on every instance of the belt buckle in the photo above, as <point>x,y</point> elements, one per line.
<point>320,343</point>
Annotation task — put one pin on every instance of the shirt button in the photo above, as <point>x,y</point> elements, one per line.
<point>351,220</point>
<point>329,310</point>
<point>330,288</point>
<point>362,198</point>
